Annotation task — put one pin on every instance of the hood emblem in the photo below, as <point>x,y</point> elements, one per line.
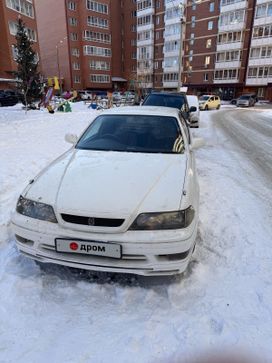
<point>91,221</point>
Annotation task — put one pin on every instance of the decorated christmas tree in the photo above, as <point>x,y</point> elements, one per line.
<point>29,80</point>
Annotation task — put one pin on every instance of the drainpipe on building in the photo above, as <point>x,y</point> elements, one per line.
<point>249,41</point>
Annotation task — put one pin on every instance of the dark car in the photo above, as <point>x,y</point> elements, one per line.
<point>7,99</point>
<point>170,99</point>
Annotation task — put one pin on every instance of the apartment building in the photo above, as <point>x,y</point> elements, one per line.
<point>84,42</point>
<point>259,70</point>
<point>158,43</point>
<point>10,10</point>
<point>228,47</point>
<point>200,45</point>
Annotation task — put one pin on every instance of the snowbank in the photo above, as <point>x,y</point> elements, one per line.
<point>224,300</point>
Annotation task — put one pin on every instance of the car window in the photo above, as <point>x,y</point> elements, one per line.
<point>211,99</point>
<point>133,133</point>
<point>174,101</point>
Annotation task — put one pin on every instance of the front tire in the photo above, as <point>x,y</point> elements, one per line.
<point>218,107</point>
<point>206,108</point>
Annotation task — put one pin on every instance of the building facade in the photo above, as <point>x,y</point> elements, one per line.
<point>10,10</point>
<point>228,47</point>
<point>86,44</point>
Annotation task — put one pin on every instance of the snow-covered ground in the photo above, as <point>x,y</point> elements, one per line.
<point>224,300</point>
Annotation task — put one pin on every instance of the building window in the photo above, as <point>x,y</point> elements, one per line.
<point>157,19</point>
<point>77,78</point>
<point>73,21</point>
<point>32,35</point>
<point>76,66</point>
<point>211,7</point>
<point>207,60</point>
<point>72,5</point>
<point>208,43</point>
<point>100,65</point>
<point>97,22</point>
<point>97,7</point>
<point>232,17</point>
<point>193,18</point>
<point>206,77</point>
<point>102,52</point>
<point>75,52</point>
<point>264,10</point>
<point>73,36</point>
<point>262,31</point>
<point>210,25</point>
<point>133,42</point>
<point>21,6</point>
<point>230,37</point>
<point>96,37</point>
<point>133,13</point>
<point>100,78</point>
<point>226,74</point>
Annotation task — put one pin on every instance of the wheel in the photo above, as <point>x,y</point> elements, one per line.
<point>218,107</point>
<point>206,108</point>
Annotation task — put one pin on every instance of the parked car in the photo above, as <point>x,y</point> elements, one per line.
<point>7,99</point>
<point>208,102</point>
<point>170,99</point>
<point>85,95</point>
<point>194,116</point>
<point>124,198</point>
<point>116,96</point>
<point>246,100</point>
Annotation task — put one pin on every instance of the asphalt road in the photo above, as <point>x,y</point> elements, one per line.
<point>250,131</point>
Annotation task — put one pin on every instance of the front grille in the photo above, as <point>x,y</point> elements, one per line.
<point>91,221</point>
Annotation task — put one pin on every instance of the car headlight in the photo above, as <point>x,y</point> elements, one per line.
<point>164,220</point>
<point>36,210</point>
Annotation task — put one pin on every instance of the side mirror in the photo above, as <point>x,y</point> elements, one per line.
<point>197,143</point>
<point>71,138</point>
<point>192,109</point>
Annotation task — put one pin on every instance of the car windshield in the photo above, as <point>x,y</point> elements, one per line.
<point>204,98</point>
<point>244,97</point>
<point>133,133</point>
<point>174,101</point>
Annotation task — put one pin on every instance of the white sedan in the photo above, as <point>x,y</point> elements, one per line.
<point>124,198</point>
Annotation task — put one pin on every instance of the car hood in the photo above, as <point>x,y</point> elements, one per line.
<point>106,183</point>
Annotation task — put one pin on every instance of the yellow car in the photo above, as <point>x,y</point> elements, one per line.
<point>208,102</point>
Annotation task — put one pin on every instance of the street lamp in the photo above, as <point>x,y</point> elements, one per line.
<point>58,63</point>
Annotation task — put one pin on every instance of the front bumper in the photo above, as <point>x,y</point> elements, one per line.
<point>143,252</point>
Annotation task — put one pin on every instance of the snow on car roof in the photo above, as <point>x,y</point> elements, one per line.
<point>143,110</point>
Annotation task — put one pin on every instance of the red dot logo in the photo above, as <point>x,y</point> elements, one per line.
<point>73,246</point>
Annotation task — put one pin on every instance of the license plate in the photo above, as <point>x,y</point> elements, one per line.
<point>88,248</point>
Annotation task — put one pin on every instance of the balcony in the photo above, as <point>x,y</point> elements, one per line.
<point>260,62</point>
<point>227,65</point>
<point>263,20</point>
<point>231,27</point>
<point>170,84</point>
<point>242,4</point>
<point>229,46</point>
<point>223,81</point>
<point>256,42</point>
<point>144,12</point>
<point>145,27</point>
<point>173,4</point>
<point>145,42</point>
<point>258,81</point>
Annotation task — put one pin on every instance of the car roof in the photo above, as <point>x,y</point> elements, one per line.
<point>168,93</point>
<point>143,110</point>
